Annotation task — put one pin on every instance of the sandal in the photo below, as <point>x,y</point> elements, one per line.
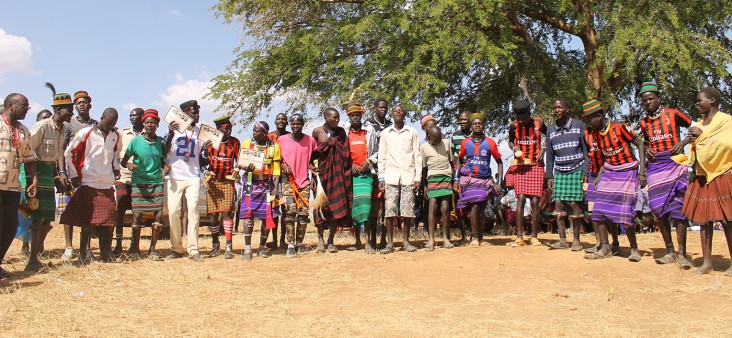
<point>410,248</point>
<point>634,255</point>
<point>576,246</point>
<point>558,246</point>
<point>518,242</point>
<point>535,241</point>
<point>154,256</point>
<point>683,263</point>
<point>386,251</point>
<point>597,255</point>
<point>447,245</point>
<point>667,259</point>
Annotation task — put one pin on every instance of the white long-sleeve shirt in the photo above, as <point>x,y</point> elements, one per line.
<point>98,161</point>
<point>400,162</point>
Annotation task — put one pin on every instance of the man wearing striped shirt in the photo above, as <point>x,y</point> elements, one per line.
<point>566,170</point>
<point>667,180</point>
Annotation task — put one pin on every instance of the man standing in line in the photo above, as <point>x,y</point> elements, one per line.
<point>297,156</point>
<point>361,142</point>
<point>47,140</point>
<point>183,155</point>
<point>527,176</point>
<point>667,180</point>
<point>221,194</point>
<point>280,130</point>
<point>400,172</point>
<point>82,102</point>
<point>566,171</point>
<point>123,185</point>
<point>334,163</point>
<point>15,148</point>
<point>378,122</point>
<point>93,166</point>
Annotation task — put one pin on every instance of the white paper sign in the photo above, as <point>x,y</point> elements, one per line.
<point>207,133</point>
<point>247,156</point>
<point>177,115</point>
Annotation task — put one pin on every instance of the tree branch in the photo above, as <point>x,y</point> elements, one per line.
<point>551,20</point>
<point>517,27</point>
<point>343,1</point>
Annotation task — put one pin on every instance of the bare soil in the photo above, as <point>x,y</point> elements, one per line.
<point>487,291</point>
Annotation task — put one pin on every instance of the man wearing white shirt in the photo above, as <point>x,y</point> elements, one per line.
<point>400,172</point>
<point>93,164</point>
<point>184,153</point>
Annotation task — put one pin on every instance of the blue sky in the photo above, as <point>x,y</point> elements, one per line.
<point>126,54</point>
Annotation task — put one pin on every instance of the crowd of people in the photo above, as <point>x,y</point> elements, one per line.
<point>370,174</point>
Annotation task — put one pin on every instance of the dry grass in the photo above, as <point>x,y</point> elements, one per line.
<point>489,291</point>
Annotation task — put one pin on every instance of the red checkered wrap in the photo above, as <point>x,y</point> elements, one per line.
<point>89,206</point>
<point>526,179</point>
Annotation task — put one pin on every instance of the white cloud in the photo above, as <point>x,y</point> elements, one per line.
<point>183,90</point>
<point>35,107</point>
<point>175,13</point>
<point>15,54</point>
<point>129,106</point>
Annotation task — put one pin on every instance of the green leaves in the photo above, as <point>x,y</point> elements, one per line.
<point>446,56</point>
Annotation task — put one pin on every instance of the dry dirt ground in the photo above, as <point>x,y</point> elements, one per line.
<point>486,291</point>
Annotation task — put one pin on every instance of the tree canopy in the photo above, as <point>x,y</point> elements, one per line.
<point>446,56</point>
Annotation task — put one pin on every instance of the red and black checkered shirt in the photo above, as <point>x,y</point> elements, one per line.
<point>662,132</point>
<point>615,143</point>
<point>222,160</point>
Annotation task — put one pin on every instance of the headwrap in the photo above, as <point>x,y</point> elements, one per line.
<point>354,107</point>
<point>262,125</point>
<point>81,94</point>
<point>591,106</point>
<point>151,113</point>
<point>223,121</point>
<point>648,87</point>
<point>61,99</point>
<point>188,104</point>
<point>426,118</point>
<point>521,106</point>
<point>297,117</point>
<point>474,116</point>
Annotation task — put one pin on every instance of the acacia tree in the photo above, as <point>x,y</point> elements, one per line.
<point>445,56</point>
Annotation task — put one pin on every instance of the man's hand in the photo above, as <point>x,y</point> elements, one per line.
<point>116,173</point>
<point>550,183</point>
<point>694,132</point>
<point>62,181</point>
<point>364,167</point>
<point>131,166</point>
<point>381,186</point>
<point>642,180</point>
<point>250,167</point>
<point>584,179</point>
<point>597,181</point>
<point>31,190</point>
<point>650,154</point>
<point>354,171</point>
<point>313,168</point>
<point>75,182</point>
<point>207,144</point>
<point>678,148</point>
<point>456,186</point>
<point>173,126</point>
<point>416,186</point>
<point>285,169</point>
<point>166,169</point>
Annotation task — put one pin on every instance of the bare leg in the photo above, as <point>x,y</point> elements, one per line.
<point>332,228</point>
<point>476,224</point>
<point>682,262</point>
<point>389,248</point>
<point>521,199</point>
<point>432,223</point>
<point>603,250</point>
<point>613,230</point>
<point>665,229</point>
<point>728,236</point>
<point>406,226</point>
<point>575,220</point>
<point>561,226</point>
<point>119,231</point>
<point>534,216</point>
<point>83,246</point>
<point>445,208</point>
<point>264,232</point>
<point>707,232</point>
<point>630,232</point>
<point>321,242</point>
